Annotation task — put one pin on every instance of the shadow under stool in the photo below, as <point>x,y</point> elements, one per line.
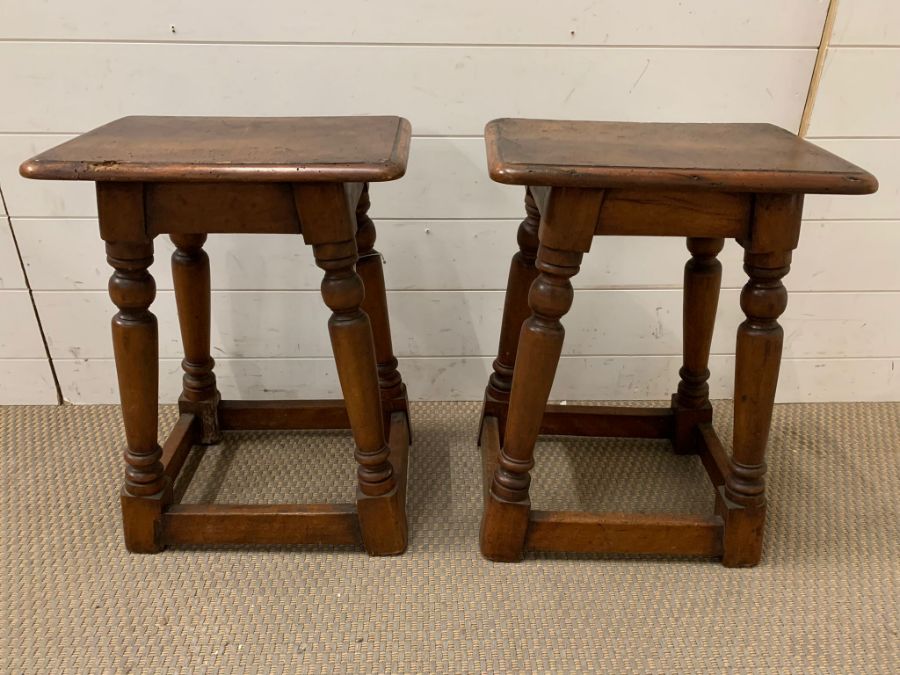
<point>192,176</point>
<point>704,182</point>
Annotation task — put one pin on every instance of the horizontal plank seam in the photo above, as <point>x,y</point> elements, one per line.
<point>457,357</point>
<point>309,291</point>
<point>512,220</point>
<point>412,45</point>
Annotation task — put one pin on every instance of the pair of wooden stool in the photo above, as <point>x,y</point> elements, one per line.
<point>189,177</point>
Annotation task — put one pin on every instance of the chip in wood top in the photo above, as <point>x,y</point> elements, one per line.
<point>727,157</point>
<point>266,149</point>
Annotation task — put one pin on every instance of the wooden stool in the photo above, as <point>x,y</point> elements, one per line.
<point>191,176</point>
<point>700,181</point>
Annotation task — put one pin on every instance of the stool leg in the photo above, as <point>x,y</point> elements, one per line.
<point>135,342</point>
<point>522,274</point>
<point>374,304</point>
<point>190,273</point>
<point>702,280</point>
<point>382,514</point>
<point>759,342</point>
<point>505,521</point>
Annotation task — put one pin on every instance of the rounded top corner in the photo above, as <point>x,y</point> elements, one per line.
<point>30,169</point>
<point>870,184</point>
<point>393,169</point>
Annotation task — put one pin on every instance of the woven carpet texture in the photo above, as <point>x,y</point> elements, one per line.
<point>824,599</point>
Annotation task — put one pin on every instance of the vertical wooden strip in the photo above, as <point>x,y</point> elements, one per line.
<point>824,43</point>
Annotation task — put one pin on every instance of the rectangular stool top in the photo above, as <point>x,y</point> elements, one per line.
<point>239,149</point>
<point>723,157</point>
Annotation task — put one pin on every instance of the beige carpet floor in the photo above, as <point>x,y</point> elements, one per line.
<point>825,598</point>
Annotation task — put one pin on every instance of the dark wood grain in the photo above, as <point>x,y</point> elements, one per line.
<point>670,213</point>
<point>260,524</point>
<point>729,157</point>
<point>522,274</point>
<point>184,435</point>
<point>702,281</point>
<point>146,489</point>
<point>381,513</point>
<point>647,533</point>
<point>193,176</point>
<point>706,182</point>
<point>306,414</point>
<point>235,149</point>
<point>399,442</point>
<point>607,421</point>
<point>374,304</point>
<point>714,456</point>
<point>505,519</point>
<point>232,208</point>
<point>191,278</point>
<point>757,361</point>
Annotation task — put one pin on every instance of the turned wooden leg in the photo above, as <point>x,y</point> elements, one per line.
<point>522,274</point>
<point>369,268</point>
<point>702,280</point>
<point>505,520</point>
<point>190,273</point>
<point>759,342</point>
<point>382,514</point>
<point>135,341</point>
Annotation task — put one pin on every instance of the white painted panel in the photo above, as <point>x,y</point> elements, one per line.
<point>11,276</point>
<point>19,334</point>
<point>859,94</point>
<point>878,156</point>
<point>867,22</point>
<point>438,379</point>
<point>452,323</point>
<point>40,197</point>
<point>570,22</point>
<point>65,254</point>
<point>842,380</point>
<point>652,378</point>
<point>822,263</point>
<point>447,178</point>
<point>244,323</point>
<point>26,382</point>
<point>70,87</point>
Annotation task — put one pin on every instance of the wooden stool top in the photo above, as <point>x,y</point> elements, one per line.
<point>722,157</point>
<point>232,149</point>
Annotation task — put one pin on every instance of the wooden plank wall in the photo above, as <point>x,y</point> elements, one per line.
<point>445,229</point>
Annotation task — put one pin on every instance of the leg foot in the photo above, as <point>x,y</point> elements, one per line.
<point>743,534</point>
<point>142,521</point>
<point>503,529</point>
<point>383,522</point>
